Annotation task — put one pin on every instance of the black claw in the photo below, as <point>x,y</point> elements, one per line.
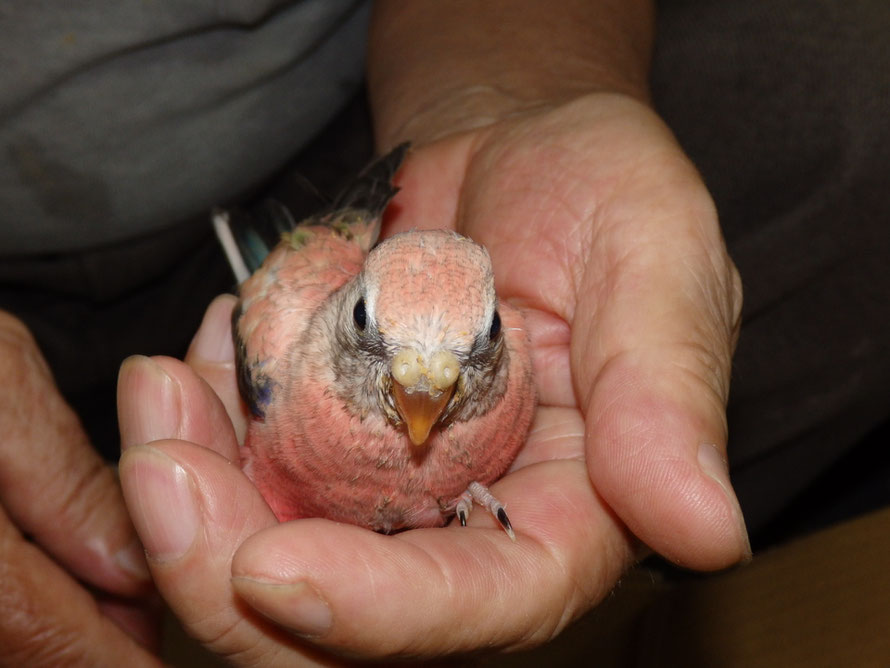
<point>504,520</point>
<point>462,516</point>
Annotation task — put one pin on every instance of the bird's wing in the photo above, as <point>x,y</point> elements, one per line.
<point>287,269</point>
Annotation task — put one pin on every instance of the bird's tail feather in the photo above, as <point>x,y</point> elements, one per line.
<point>248,237</point>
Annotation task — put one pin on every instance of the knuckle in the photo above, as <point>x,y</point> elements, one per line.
<point>36,644</point>
<point>84,494</point>
<point>706,366</point>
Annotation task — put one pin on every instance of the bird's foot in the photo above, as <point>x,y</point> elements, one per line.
<point>479,493</point>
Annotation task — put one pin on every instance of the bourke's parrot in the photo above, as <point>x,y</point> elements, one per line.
<point>387,385</point>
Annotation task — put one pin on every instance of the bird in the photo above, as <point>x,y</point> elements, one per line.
<point>387,384</point>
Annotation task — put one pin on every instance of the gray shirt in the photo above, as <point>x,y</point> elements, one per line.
<point>120,117</point>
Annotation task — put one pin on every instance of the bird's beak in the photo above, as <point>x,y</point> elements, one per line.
<point>422,390</point>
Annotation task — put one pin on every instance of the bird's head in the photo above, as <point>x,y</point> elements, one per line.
<point>423,313</point>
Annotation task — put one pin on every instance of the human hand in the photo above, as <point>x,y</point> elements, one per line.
<point>601,229</point>
<point>66,541</point>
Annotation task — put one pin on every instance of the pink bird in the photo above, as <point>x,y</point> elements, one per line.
<point>388,386</point>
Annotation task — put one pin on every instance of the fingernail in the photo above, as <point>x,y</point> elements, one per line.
<point>149,402</point>
<point>716,467</point>
<point>213,342</point>
<point>131,560</point>
<point>160,499</point>
<point>713,464</point>
<point>296,606</point>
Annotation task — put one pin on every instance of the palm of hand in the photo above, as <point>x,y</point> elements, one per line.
<point>601,230</point>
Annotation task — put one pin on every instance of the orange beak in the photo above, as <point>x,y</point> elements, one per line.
<point>420,410</point>
<point>422,389</point>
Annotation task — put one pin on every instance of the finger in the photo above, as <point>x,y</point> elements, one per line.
<point>53,484</point>
<point>49,618</point>
<point>193,509</point>
<point>662,341</point>
<point>658,458</point>
<point>212,356</point>
<point>189,536</point>
<point>163,398</point>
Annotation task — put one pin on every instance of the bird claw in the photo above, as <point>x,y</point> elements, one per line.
<point>479,493</point>
<point>463,508</point>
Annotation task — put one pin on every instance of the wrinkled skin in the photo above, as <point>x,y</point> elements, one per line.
<point>603,232</point>
<point>73,581</point>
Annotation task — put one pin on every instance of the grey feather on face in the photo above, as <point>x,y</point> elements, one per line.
<point>358,355</point>
<point>483,382</point>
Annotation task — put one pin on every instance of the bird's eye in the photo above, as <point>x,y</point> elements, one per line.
<point>360,315</point>
<point>495,327</point>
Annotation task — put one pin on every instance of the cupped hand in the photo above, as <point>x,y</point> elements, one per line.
<point>74,580</point>
<point>601,230</point>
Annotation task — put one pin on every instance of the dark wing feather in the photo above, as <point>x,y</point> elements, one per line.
<point>372,189</point>
<point>248,237</point>
<point>255,388</point>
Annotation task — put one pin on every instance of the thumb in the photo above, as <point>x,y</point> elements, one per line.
<point>661,342</point>
<point>191,505</point>
<point>53,484</point>
<point>656,448</point>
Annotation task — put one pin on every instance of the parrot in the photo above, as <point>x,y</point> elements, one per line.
<point>387,385</point>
